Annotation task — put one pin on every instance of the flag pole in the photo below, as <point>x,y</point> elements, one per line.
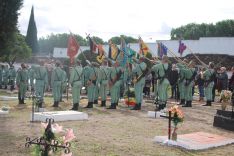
<point>197,57</point>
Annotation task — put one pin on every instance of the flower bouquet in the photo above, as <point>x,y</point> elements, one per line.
<point>129,97</point>
<point>54,138</point>
<point>177,117</point>
<point>225,97</point>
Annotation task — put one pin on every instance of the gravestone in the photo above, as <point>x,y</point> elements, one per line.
<point>60,115</point>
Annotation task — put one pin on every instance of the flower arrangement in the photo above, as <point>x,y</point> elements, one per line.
<point>225,97</point>
<point>54,135</point>
<point>177,115</point>
<point>129,97</point>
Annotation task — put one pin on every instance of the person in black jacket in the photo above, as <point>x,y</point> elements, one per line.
<point>173,79</point>
<point>231,81</point>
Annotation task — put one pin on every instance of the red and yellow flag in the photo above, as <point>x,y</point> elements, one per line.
<point>72,48</point>
<point>144,49</point>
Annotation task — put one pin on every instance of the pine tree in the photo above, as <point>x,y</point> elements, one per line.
<point>31,37</point>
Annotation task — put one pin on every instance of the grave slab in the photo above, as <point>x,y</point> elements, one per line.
<point>8,98</point>
<point>3,112</point>
<point>153,114</point>
<point>196,141</point>
<point>60,116</point>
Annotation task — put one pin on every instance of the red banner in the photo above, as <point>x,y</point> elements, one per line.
<point>72,48</point>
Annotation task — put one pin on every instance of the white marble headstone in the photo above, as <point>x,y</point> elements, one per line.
<point>60,116</point>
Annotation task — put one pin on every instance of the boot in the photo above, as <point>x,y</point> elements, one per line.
<point>40,105</point>
<point>186,104</point>
<point>208,103</point>
<point>189,103</point>
<point>103,104</point>
<point>20,101</point>
<point>23,101</point>
<point>90,105</point>
<point>56,103</point>
<point>75,107</point>
<point>117,103</point>
<point>95,102</point>
<point>182,102</point>
<point>112,106</point>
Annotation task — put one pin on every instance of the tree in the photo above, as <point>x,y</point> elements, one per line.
<point>195,31</point>
<point>31,37</point>
<point>8,21</point>
<point>48,43</point>
<point>98,40</point>
<point>128,39</point>
<point>16,49</point>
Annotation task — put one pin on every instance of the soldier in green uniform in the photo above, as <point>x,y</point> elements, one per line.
<point>22,82</point>
<point>114,84</point>
<point>91,77</point>
<point>97,86</point>
<point>161,72</point>
<point>209,76</point>
<point>5,76</point>
<point>64,83</point>
<point>139,82</point>
<point>31,74</point>
<point>103,75</point>
<point>41,83</point>
<point>12,76</point>
<point>189,75</point>
<point>76,80</point>
<point>155,80</point>
<point>56,82</point>
<point>181,81</point>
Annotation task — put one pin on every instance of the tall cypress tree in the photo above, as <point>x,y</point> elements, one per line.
<point>31,37</point>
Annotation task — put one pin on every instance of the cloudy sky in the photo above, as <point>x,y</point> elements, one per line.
<point>151,19</point>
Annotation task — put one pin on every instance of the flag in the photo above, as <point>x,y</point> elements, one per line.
<point>144,49</point>
<point>72,48</point>
<point>93,45</point>
<point>131,54</point>
<point>124,51</point>
<point>162,50</point>
<point>181,48</point>
<point>101,53</point>
<point>113,51</point>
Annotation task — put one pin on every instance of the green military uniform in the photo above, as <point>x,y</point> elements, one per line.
<point>209,84</point>
<point>12,76</point>
<point>31,74</point>
<point>76,80</point>
<point>5,73</point>
<point>161,72</point>
<point>189,75</point>
<point>139,85</point>
<point>114,79</point>
<point>97,86</point>
<point>153,72</point>
<point>56,82</point>
<point>22,83</point>
<point>91,78</point>
<point>64,84</point>
<point>103,76</point>
<point>181,82</point>
<point>41,83</point>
